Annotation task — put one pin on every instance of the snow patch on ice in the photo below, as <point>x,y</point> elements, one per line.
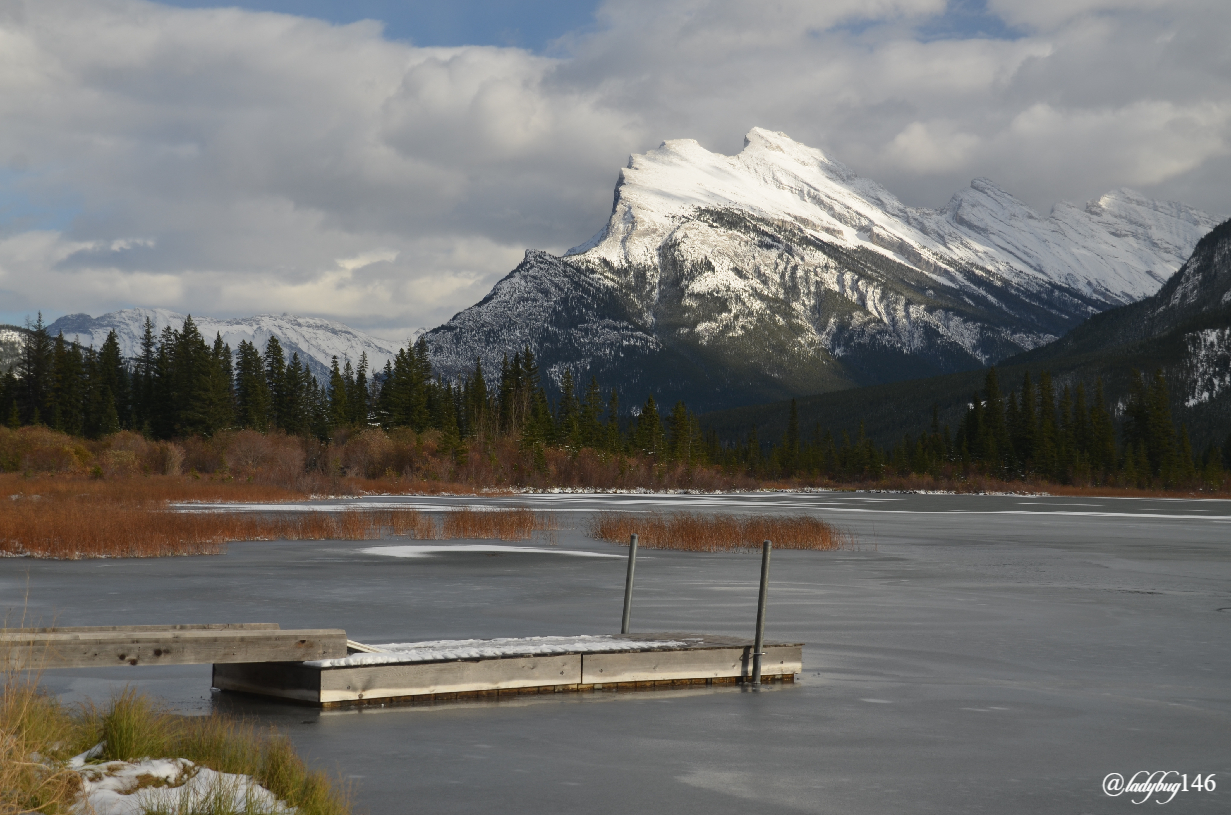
<point>423,550</point>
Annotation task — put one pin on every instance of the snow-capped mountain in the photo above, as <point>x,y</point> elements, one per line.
<point>316,341</point>
<point>726,280</point>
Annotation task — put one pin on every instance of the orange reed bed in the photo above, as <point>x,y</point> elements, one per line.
<point>692,532</point>
<point>71,528</point>
<point>500,524</point>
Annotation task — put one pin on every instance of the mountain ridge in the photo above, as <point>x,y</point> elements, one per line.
<point>316,340</point>
<point>779,271</point>
<point>1183,330</point>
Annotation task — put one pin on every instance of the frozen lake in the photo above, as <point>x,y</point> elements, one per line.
<point>977,654</point>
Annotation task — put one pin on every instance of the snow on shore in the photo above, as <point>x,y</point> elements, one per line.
<point>167,785</point>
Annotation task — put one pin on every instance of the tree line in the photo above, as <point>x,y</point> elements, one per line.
<point>1031,432</point>
<point>180,385</point>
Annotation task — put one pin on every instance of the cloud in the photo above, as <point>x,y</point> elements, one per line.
<point>229,162</point>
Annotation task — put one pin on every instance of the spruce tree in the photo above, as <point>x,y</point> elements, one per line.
<point>275,374</point>
<point>339,406</point>
<point>648,434</point>
<point>34,373</point>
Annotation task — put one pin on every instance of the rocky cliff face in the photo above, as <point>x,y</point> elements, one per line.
<point>733,279</point>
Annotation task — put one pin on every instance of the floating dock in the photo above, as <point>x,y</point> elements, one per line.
<point>411,673</point>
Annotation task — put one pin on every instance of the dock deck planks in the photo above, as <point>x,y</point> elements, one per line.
<point>105,646</point>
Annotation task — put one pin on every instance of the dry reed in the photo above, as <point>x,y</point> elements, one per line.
<point>692,532</point>
<point>70,527</point>
<point>501,524</point>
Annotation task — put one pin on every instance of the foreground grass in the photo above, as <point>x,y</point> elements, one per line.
<point>38,735</point>
<point>691,532</point>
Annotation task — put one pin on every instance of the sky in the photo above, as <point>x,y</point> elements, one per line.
<point>383,163</point>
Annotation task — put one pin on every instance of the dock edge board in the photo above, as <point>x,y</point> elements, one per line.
<point>505,676</point>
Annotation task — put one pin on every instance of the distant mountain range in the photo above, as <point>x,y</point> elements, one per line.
<point>316,341</point>
<point>1183,330</point>
<point>729,280</point>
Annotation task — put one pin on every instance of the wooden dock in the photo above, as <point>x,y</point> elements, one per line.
<point>696,659</point>
<point>105,646</point>
<point>321,667</point>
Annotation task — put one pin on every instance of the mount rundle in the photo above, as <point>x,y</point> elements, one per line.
<point>728,280</point>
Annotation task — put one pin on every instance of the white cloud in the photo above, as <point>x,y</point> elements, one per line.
<point>228,162</point>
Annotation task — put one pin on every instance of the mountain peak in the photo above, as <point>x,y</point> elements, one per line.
<point>778,271</point>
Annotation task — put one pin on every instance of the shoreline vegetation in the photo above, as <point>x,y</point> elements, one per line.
<point>51,752</point>
<point>70,497</point>
<point>184,405</point>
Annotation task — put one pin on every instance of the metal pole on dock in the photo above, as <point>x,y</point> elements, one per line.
<point>628,583</point>
<point>758,649</point>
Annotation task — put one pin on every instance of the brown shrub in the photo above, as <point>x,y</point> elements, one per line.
<point>693,532</point>
<point>366,454</point>
<point>247,451</point>
<point>42,450</point>
<point>203,455</point>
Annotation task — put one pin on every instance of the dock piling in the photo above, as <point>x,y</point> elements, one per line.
<point>628,583</point>
<point>759,648</point>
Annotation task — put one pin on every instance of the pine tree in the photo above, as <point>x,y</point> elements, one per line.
<point>68,388</point>
<point>34,373</point>
<point>357,396</point>
<point>275,373</point>
<point>648,433</point>
<point>339,407</point>
<point>568,426</point>
<point>252,399</point>
<point>589,421</point>
<point>1047,441</point>
<point>143,380</point>
<point>1102,434</point>
<point>112,387</point>
<point>1027,427</point>
<point>790,442</point>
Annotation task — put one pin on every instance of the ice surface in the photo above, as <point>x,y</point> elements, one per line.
<point>441,650</point>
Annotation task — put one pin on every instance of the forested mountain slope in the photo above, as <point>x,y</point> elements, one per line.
<point>1184,330</point>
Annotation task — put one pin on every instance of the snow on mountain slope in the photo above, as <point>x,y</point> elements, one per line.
<point>779,271</point>
<point>1117,249</point>
<point>316,341</point>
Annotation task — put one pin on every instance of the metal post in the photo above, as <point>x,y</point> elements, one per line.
<point>759,648</point>
<point>628,583</point>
